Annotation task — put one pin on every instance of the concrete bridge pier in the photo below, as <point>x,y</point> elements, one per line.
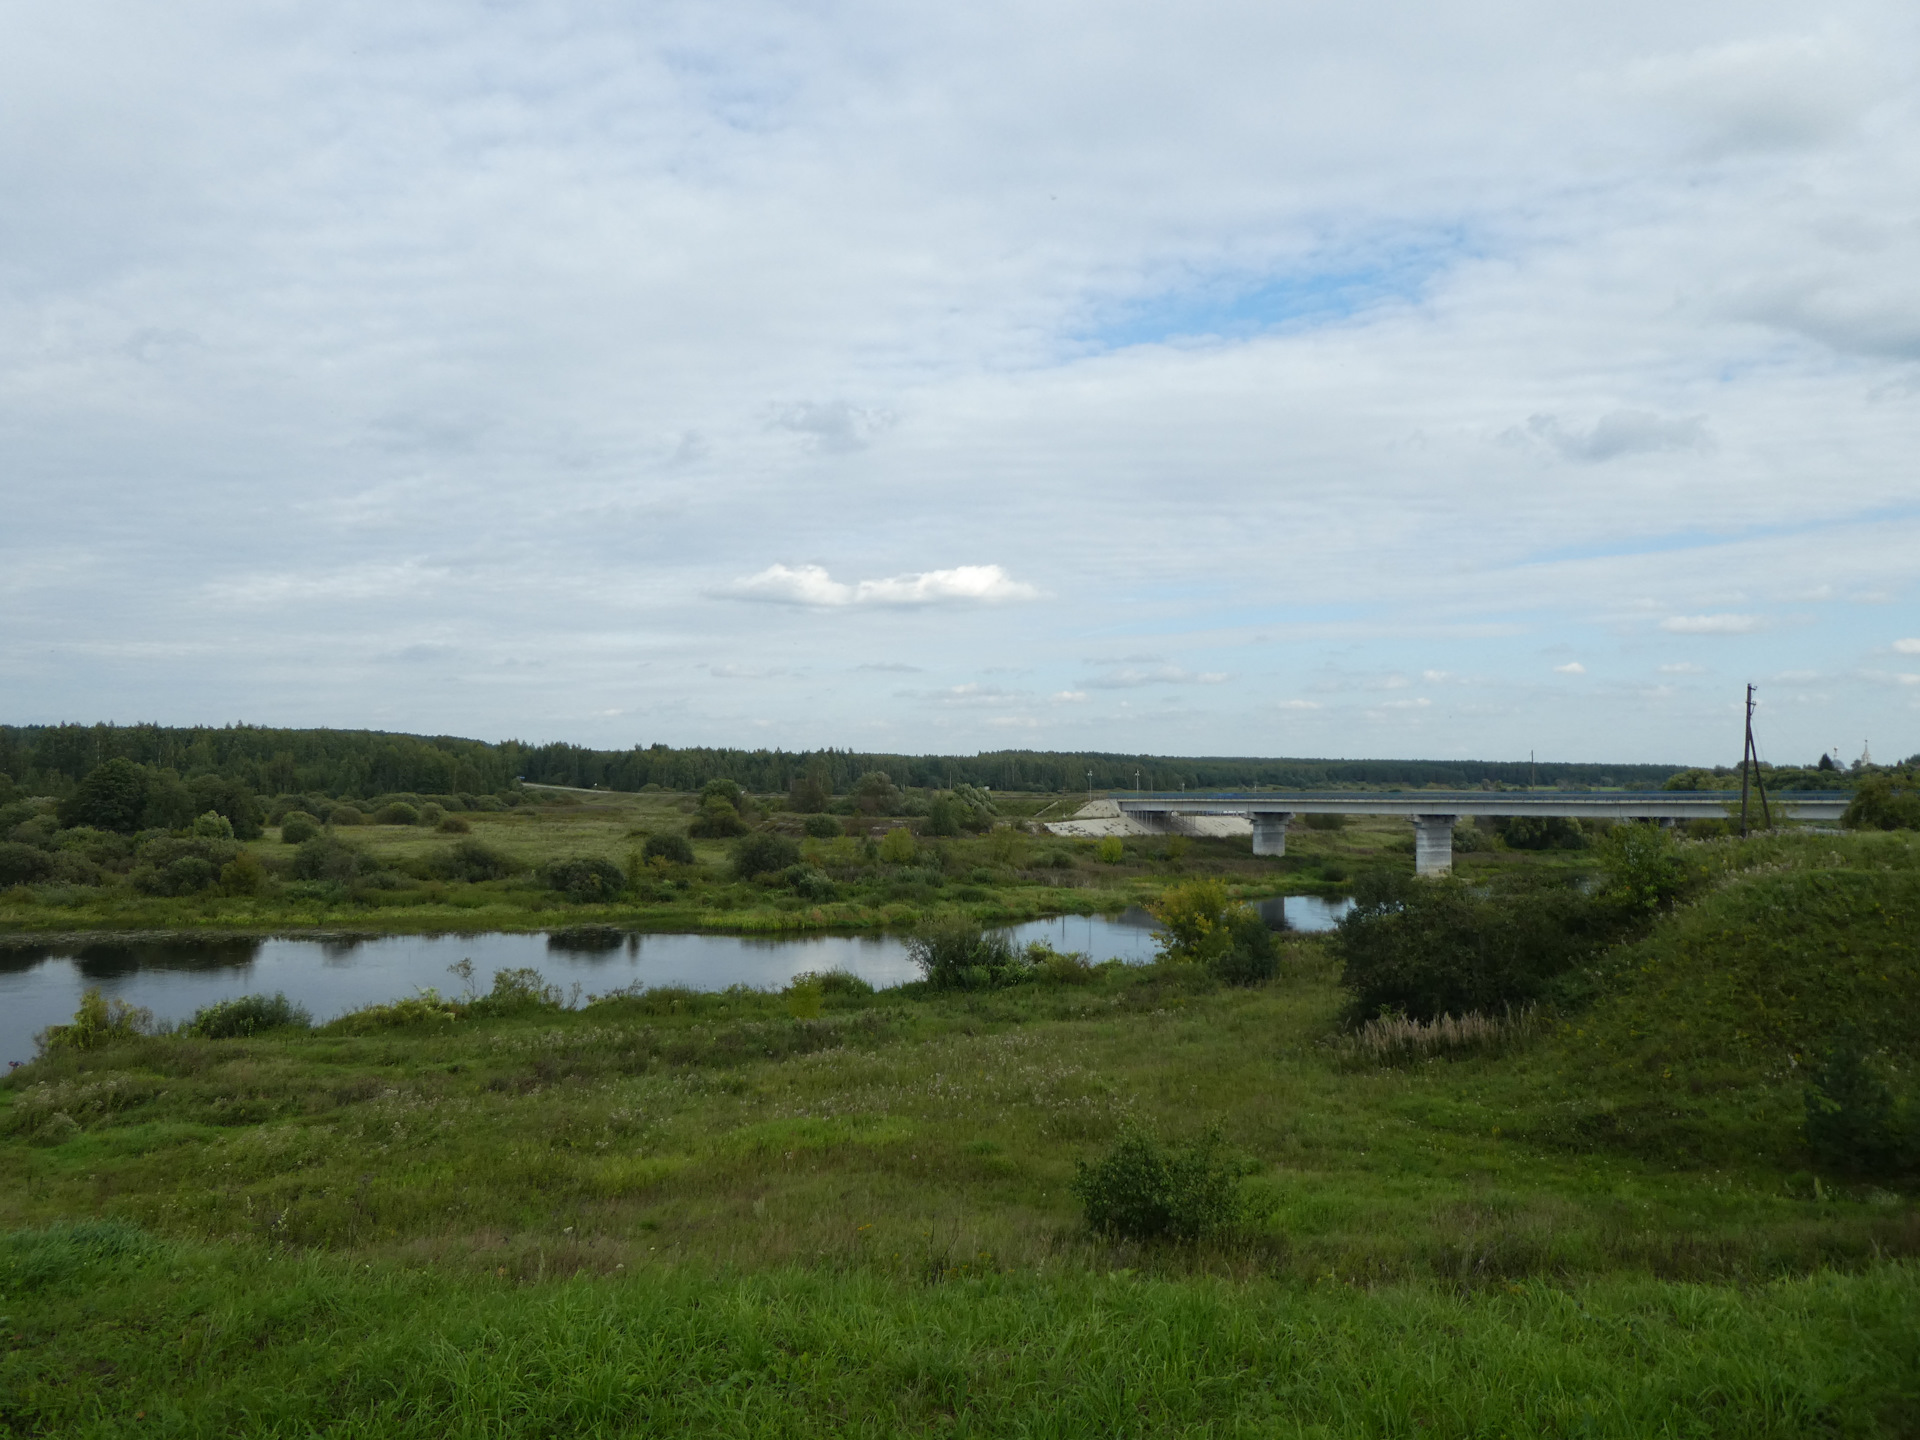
<point>1270,831</point>
<point>1160,822</point>
<point>1433,844</point>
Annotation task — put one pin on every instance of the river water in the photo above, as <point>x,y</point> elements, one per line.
<point>41,984</point>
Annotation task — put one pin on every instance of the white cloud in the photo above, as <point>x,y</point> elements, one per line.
<point>1131,677</point>
<point>1907,647</point>
<point>812,585</point>
<point>1572,667</point>
<point>1726,624</point>
<point>1683,667</point>
<point>1620,432</point>
<point>1299,705</point>
<point>1068,697</point>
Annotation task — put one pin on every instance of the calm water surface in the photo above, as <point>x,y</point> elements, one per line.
<point>40,985</point>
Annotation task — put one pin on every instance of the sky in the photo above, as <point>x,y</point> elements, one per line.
<point>1458,379</point>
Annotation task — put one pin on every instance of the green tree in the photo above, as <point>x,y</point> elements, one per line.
<point>112,797</point>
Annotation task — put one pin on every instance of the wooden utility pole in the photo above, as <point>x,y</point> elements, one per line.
<point>1750,752</point>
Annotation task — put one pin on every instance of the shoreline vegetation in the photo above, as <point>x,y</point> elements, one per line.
<point>1615,1133</point>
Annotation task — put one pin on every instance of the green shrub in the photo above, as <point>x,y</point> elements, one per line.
<point>99,1021</point>
<point>243,875</point>
<point>184,875</point>
<point>1144,1190</point>
<point>113,796</point>
<point>824,827</point>
<point>1324,822</point>
<point>586,878</point>
<point>944,816</point>
<point>472,861</point>
<point>517,992</point>
<point>1111,850</point>
<point>764,853</point>
<point>345,815</point>
<point>897,846</point>
<point>717,820</point>
<point>957,955</point>
<point>452,825</point>
<point>1541,832</point>
<point>673,849</point>
<point>247,1015</point>
<point>805,996</point>
<point>1439,947</point>
<point>397,813</point>
<point>1856,1124</point>
<point>431,814</point>
<point>327,858</point>
<point>809,883</point>
<point>23,864</point>
<point>1643,867</point>
<point>297,827</point>
<point>213,826</point>
<point>845,984</point>
<point>1049,966</point>
<point>1251,956</point>
<point>1877,805</point>
<point>424,1010</point>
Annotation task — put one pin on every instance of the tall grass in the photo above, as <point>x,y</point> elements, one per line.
<point>1397,1039</point>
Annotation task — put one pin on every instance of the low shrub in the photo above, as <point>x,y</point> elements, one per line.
<point>1324,822</point>
<point>897,846</point>
<point>397,813</point>
<point>717,820</point>
<point>958,955</point>
<point>517,992</point>
<point>1049,966</point>
<point>1111,850</point>
<point>453,825</point>
<point>425,1010</point>
<point>297,827</point>
<point>824,827</point>
<point>1251,955</point>
<point>586,878</point>
<point>673,849</point>
<point>243,875</point>
<point>99,1021</point>
<point>764,853</point>
<point>345,815</point>
<point>805,996</point>
<point>809,883</point>
<point>23,864</point>
<point>472,861</point>
<point>247,1015</point>
<point>326,858</point>
<point>1857,1123</point>
<point>213,826</point>
<point>845,984</point>
<point>1439,947</point>
<point>431,814</point>
<point>1878,805</point>
<point>185,875</point>
<point>1145,1190</point>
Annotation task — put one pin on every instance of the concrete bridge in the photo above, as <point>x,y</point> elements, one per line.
<point>1435,812</point>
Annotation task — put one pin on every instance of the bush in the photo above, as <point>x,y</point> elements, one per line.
<point>1877,805</point>
<point>1251,957</point>
<point>243,875</point>
<point>326,858</point>
<point>897,846</point>
<point>397,813</point>
<point>586,879</point>
<point>113,796</point>
<point>431,815</point>
<point>185,875</point>
<point>472,861</point>
<point>247,1015</point>
<point>824,827</point>
<point>297,827</point>
<point>1856,1124</point>
<point>957,955</point>
<point>1437,947</point>
<point>805,996</point>
<point>213,826</point>
<point>809,883</point>
<point>99,1021</point>
<point>23,864</point>
<point>1111,850</point>
<point>1324,822</point>
<point>518,992</point>
<point>1049,966</point>
<point>763,854</point>
<point>425,1009</point>
<point>452,825</point>
<point>345,815</point>
<point>1541,832</point>
<point>1144,1190</point>
<point>717,820</point>
<point>1643,867</point>
<point>673,849</point>
<point>944,816</point>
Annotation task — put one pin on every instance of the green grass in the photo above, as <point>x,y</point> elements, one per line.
<point>676,1212</point>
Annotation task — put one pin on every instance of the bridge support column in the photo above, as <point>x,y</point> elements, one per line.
<point>1270,831</point>
<point>1160,822</point>
<point>1433,844</point>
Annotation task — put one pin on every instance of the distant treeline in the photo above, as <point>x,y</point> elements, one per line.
<point>50,759</point>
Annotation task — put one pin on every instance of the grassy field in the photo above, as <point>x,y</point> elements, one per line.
<point>682,1213</point>
<point>995,879</point>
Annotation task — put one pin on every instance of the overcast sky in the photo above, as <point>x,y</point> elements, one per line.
<point>1420,379</point>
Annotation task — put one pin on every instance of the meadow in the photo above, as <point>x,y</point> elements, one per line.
<point>838,1212</point>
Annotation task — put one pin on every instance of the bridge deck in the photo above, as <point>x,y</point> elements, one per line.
<point>1563,804</point>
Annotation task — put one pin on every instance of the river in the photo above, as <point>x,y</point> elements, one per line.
<point>41,984</point>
